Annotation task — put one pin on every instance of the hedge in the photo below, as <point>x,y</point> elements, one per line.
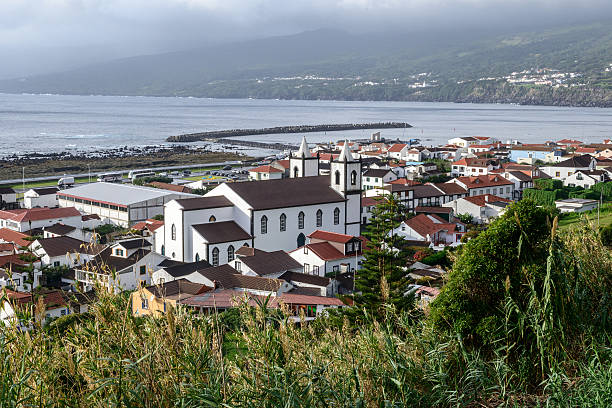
<point>548,184</point>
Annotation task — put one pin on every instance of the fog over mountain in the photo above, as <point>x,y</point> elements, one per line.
<point>41,36</point>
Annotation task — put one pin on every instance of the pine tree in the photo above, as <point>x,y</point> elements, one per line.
<point>380,280</point>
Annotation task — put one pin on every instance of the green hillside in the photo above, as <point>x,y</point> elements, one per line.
<point>566,66</point>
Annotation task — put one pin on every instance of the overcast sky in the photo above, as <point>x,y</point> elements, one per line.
<point>72,32</point>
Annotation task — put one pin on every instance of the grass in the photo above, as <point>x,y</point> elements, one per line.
<point>605,217</point>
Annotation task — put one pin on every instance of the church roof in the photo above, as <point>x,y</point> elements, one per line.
<point>224,231</point>
<point>304,150</point>
<point>345,154</point>
<point>291,192</point>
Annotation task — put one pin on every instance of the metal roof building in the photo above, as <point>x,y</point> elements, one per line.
<point>120,204</point>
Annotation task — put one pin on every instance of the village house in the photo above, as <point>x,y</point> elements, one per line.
<point>24,220</point>
<point>63,251</point>
<point>586,178</point>
<point>153,231</point>
<point>329,252</point>
<point>154,300</point>
<point>483,208</point>
<point>431,229</point>
<point>464,142</point>
<point>577,205</point>
<point>377,178</point>
<point>40,197</point>
<point>564,169</point>
<point>472,166</point>
<point>255,262</point>
<point>8,198</point>
<point>266,172</point>
<point>490,184</point>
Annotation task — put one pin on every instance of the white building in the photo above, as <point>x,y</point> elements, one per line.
<point>119,204</point>
<point>8,198</point>
<point>430,228</point>
<point>576,205</point>
<point>377,178</point>
<point>268,215</point>
<point>586,178</point>
<point>40,197</point>
<point>37,218</point>
<point>491,184</point>
<point>465,141</point>
<point>564,169</point>
<point>483,208</point>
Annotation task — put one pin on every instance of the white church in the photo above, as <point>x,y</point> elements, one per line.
<point>268,215</point>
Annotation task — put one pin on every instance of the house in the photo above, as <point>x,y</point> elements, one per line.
<point>472,166</point>
<point>329,252</point>
<point>125,265</point>
<point>577,205</point>
<point>63,251</point>
<point>8,198</point>
<point>63,230</point>
<point>586,178</point>
<point>153,230</point>
<point>464,142</point>
<point>283,165</point>
<point>432,229</point>
<point>564,169</point>
<point>530,153</point>
<point>55,304</point>
<point>154,300</point>
<point>490,184</point>
<point>170,187</point>
<point>569,143</point>
<point>377,178</point>
<point>521,180</point>
<point>256,262</point>
<point>446,213</point>
<point>367,205</point>
<point>266,172</point>
<point>15,279</point>
<point>483,208</point>
<point>23,220</point>
<point>398,151</point>
<point>269,215</point>
<point>306,284</point>
<point>119,204</point>
<point>41,197</point>
<point>426,195</point>
<point>19,239</point>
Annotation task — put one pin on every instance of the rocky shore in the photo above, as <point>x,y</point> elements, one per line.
<point>121,158</point>
<point>219,134</point>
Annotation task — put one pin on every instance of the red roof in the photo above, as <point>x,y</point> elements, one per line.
<point>472,162</point>
<point>6,246</point>
<point>12,259</point>
<point>149,224</point>
<point>328,156</point>
<point>405,182</point>
<point>37,214</point>
<point>482,137</point>
<point>490,180</point>
<point>586,150</point>
<point>295,299</point>
<point>434,210</point>
<point>481,200</point>
<point>369,201</point>
<point>325,251</point>
<point>265,169</point>
<point>283,163</point>
<point>424,225</point>
<point>479,146</point>
<point>396,148</point>
<point>331,236</point>
<point>569,141</point>
<point>9,235</point>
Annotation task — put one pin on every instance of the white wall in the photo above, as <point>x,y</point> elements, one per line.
<point>34,200</point>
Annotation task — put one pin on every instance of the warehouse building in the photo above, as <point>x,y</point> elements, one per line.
<point>119,204</point>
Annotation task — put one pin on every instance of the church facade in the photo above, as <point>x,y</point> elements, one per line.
<point>268,215</point>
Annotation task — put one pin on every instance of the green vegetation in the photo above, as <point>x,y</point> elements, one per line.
<point>524,320</point>
<point>146,180</point>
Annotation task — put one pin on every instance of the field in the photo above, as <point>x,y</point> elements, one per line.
<point>605,217</point>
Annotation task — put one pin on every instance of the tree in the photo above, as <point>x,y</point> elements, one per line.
<point>380,280</point>
<point>466,218</point>
<point>158,217</point>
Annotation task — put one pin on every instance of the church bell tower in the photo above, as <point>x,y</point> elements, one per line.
<point>303,163</point>
<point>346,179</point>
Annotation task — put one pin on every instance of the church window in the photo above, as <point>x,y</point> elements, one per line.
<point>353,177</point>
<point>163,250</point>
<point>319,218</point>
<point>337,174</point>
<point>264,225</point>
<point>301,220</point>
<point>230,253</point>
<point>296,172</point>
<point>283,222</point>
<point>336,216</point>
<point>215,256</point>
<point>197,258</point>
<point>173,232</point>
<point>212,218</point>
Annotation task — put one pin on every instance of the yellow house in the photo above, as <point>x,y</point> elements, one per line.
<point>155,299</point>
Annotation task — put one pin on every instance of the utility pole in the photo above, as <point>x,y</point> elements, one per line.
<point>23,178</point>
<point>89,172</point>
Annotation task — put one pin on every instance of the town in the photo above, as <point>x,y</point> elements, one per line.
<point>292,229</point>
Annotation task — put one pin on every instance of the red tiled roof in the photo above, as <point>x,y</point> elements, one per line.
<point>325,251</point>
<point>490,180</point>
<point>586,150</point>
<point>328,156</point>
<point>434,210</point>
<point>331,236</point>
<point>472,162</point>
<point>482,137</point>
<point>171,187</point>
<point>368,201</point>
<point>16,237</point>
<point>295,299</point>
<point>481,200</point>
<point>12,259</point>
<point>569,141</point>
<point>396,148</point>
<point>6,246</point>
<point>149,224</point>
<point>265,169</point>
<point>479,146</point>
<point>405,182</point>
<point>424,225</point>
<point>37,214</point>
<point>283,163</point>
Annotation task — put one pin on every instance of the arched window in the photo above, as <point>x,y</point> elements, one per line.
<point>301,220</point>
<point>173,255</point>
<point>301,240</point>
<point>197,258</point>
<point>296,172</point>
<point>163,250</point>
<point>283,222</point>
<point>319,218</point>
<point>212,218</point>
<point>215,256</point>
<point>230,253</point>
<point>353,177</point>
<point>173,232</point>
<point>336,216</point>
<point>337,174</point>
<point>264,225</point>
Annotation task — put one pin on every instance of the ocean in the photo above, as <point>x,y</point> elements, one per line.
<point>55,123</point>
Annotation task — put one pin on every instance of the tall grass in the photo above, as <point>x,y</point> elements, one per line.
<point>111,358</point>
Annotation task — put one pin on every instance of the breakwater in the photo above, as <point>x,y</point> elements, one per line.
<point>219,134</point>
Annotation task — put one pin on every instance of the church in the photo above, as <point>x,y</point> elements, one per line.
<point>269,215</point>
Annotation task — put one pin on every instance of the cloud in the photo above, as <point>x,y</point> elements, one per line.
<point>130,27</point>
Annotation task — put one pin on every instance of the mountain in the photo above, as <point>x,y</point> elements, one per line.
<point>558,66</point>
